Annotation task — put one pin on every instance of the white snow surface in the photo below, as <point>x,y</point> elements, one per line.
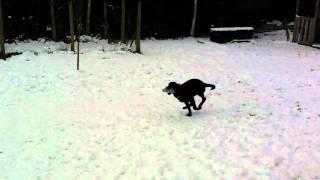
<point>232,29</point>
<point>291,24</point>
<point>275,22</point>
<point>316,45</point>
<point>110,120</point>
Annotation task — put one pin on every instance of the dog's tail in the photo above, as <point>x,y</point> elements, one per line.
<point>210,85</point>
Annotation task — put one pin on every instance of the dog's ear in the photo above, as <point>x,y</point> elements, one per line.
<point>173,85</point>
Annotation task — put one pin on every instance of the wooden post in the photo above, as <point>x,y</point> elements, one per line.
<point>2,50</point>
<point>71,22</point>
<point>138,48</point>
<point>53,22</point>
<point>78,48</point>
<point>123,20</point>
<point>88,17</point>
<point>79,29</point>
<point>105,19</point>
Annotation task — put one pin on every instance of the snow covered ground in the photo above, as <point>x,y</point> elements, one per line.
<point>111,120</point>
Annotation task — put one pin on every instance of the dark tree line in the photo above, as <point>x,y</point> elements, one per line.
<point>99,17</point>
<point>161,18</point>
<point>68,20</point>
<point>122,19</point>
<point>117,19</point>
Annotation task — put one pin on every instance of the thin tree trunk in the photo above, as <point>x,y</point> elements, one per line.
<point>53,22</point>
<point>285,26</point>
<point>138,49</point>
<point>88,18</point>
<point>123,21</point>
<point>105,19</point>
<point>195,8</point>
<point>2,51</point>
<point>71,22</point>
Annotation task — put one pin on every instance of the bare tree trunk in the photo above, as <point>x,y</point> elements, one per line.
<point>2,51</point>
<point>53,22</point>
<point>195,8</point>
<point>105,19</point>
<point>138,49</point>
<point>123,21</point>
<point>285,26</point>
<point>71,22</point>
<point>88,18</point>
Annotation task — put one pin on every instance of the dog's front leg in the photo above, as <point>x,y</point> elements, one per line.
<point>193,104</point>
<point>186,107</point>
<point>189,109</point>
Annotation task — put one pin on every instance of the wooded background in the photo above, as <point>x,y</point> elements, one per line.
<point>160,18</point>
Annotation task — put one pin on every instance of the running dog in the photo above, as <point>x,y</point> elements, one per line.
<point>185,92</point>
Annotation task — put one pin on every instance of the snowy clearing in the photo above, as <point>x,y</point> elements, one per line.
<point>112,121</point>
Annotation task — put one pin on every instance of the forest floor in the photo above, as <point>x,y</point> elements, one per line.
<point>111,120</point>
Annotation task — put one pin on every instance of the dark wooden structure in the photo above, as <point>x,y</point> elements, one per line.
<point>227,34</point>
<point>307,22</point>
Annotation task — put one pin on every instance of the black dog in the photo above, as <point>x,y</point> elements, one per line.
<point>185,92</point>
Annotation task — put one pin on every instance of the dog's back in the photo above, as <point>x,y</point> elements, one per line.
<point>194,87</point>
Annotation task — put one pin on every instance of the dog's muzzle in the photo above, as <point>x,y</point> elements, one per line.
<point>169,91</point>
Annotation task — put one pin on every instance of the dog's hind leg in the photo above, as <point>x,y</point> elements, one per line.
<point>203,100</point>
<point>189,109</point>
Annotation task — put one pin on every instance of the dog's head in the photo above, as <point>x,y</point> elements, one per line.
<point>171,88</point>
